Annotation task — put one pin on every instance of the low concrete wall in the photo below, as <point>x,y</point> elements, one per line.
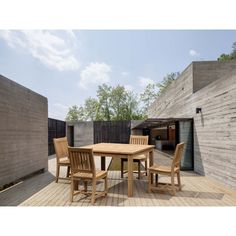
<point>23,131</point>
<point>83,132</point>
<point>135,123</point>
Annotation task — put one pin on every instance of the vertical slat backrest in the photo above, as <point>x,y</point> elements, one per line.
<point>138,139</point>
<point>178,155</point>
<point>81,160</point>
<point>61,147</point>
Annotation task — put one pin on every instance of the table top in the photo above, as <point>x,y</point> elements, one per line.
<point>118,148</point>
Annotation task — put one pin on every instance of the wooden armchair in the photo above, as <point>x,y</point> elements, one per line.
<point>61,149</point>
<point>140,140</point>
<point>167,170</point>
<point>83,168</point>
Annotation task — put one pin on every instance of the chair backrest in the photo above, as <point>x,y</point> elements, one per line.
<point>81,160</point>
<point>177,156</point>
<point>61,147</point>
<point>138,139</point>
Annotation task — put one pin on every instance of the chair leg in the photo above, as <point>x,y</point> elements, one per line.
<point>179,183</point>
<point>93,191</point>
<point>149,182</point>
<point>57,173</point>
<point>173,183</point>
<point>71,190</point>
<point>68,171</point>
<point>106,186</point>
<point>122,169</point>
<point>139,170</point>
<point>85,186</point>
<point>146,167</point>
<point>156,179</point>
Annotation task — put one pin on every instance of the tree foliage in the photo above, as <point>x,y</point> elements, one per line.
<point>228,57</point>
<point>152,91</point>
<point>167,80</point>
<point>112,103</point>
<point>75,113</point>
<point>116,103</point>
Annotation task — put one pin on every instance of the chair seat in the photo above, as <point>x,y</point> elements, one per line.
<point>138,158</point>
<point>163,169</point>
<point>99,175</point>
<point>64,160</point>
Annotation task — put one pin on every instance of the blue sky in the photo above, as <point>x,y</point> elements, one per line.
<point>67,66</point>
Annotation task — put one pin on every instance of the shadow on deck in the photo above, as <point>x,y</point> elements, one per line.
<point>41,190</point>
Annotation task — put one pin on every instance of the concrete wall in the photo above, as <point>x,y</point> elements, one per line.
<point>215,128</point>
<point>23,131</point>
<point>173,99</point>
<point>215,70</point>
<point>136,131</point>
<point>83,132</point>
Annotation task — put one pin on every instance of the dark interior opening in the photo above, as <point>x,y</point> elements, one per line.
<point>70,135</point>
<point>165,134</point>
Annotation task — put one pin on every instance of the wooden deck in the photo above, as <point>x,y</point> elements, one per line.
<point>41,190</point>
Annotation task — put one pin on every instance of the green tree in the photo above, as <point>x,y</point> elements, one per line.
<point>104,102</point>
<point>119,100</point>
<point>167,80</point>
<point>152,91</point>
<point>112,103</point>
<point>132,106</point>
<point>91,109</point>
<point>228,57</point>
<point>75,113</point>
<point>149,95</point>
<point>224,57</point>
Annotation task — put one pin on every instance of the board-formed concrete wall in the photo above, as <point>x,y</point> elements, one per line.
<point>83,132</point>
<point>23,131</point>
<point>215,127</point>
<point>174,98</point>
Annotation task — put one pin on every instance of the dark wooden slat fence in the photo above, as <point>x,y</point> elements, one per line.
<point>56,129</point>
<point>112,131</point>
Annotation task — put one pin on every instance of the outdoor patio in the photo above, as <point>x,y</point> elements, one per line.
<point>41,190</point>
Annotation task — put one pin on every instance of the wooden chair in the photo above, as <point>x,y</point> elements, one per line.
<point>167,170</point>
<point>61,149</point>
<point>140,140</point>
<point>83,168</point>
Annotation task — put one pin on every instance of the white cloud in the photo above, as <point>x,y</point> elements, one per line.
<point>193,53</point>
<point>50,48</point>
<point>144,81</point>
<point>95,73</point>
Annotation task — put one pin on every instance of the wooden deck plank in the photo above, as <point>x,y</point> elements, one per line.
<point>198,190</point>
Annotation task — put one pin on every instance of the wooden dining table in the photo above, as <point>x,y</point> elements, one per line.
<point>117,150</point>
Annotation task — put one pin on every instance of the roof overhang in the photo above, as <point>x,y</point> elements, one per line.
<point>159,122</point>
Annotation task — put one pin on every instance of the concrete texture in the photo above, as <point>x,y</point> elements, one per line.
<point>23,131</point>
<point>210,86</point>
<point>83,132</point>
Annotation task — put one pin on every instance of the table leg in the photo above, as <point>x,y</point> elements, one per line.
<point>103,163</point>
<point>151,163</point>
<point>76,185</point>
<point>130,176</point>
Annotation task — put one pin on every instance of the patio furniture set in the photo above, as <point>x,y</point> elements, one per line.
<point>81,165</point>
